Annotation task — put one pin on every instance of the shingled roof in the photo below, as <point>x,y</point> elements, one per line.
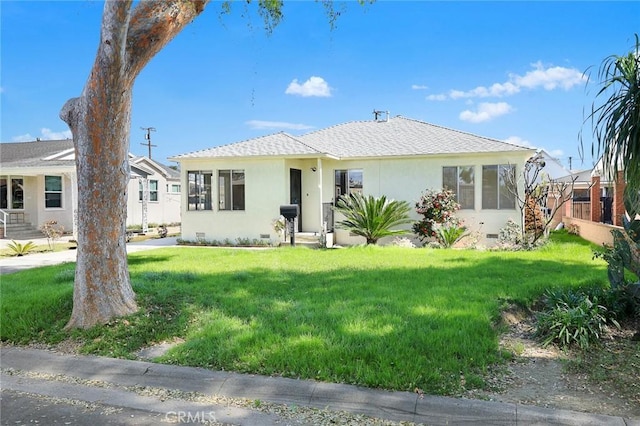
<point>278,144</point>
<point>397,136</point>
<point>33,154</point>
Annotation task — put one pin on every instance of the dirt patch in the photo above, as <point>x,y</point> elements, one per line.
<point>541,376</point>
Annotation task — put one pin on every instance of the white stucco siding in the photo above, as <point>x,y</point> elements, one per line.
<point>35,204</point>
<point>266,188</point>
<point>406,179</point>
<point>165,210</point>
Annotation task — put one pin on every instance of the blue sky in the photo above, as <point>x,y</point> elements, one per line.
<point>506,70</point>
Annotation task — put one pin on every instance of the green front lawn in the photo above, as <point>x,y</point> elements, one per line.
<point>393,318</point>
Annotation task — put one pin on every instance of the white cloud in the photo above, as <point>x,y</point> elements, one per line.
<point>419,87</point>
<point>314,86</point>
<point>260,124</point>
<point>45,135</point>
<point>23,138</point>
<point>550,78</point>
<point>437,97</point>
<point>486,111</point>
<point>556,153</point>
<point>517,140</point>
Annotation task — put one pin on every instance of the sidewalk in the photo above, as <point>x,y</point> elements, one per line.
<point>18,263</point>
<point>133,386</point>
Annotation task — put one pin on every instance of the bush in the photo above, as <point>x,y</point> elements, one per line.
<point>450,234</point>
<point>371,217</point>
<point>573,318</point>
<point>20,249</point>
<point>437,208</point>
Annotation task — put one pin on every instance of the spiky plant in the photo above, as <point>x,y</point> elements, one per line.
<point>371,217</point>
<point>20,249</point>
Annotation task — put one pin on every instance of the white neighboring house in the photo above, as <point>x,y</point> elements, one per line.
<point>236,190</point>
<point>38,184</point>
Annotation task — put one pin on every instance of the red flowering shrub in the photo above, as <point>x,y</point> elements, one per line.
<point>436,208</point>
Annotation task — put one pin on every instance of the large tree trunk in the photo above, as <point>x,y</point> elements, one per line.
<point>100,121</point>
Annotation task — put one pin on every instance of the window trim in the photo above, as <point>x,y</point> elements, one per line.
<point>456,190</point>
<point>345,188</point>
<point>232,199</point>
<point>497,183</point>
<point>207,201</point>
<point>61,192</point>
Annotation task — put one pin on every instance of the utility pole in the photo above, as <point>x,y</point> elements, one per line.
<point>148,138</point>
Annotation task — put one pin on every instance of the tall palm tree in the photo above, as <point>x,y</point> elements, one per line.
<point>372,217</point>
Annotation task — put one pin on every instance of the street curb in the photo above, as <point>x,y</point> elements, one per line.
<point>395,406</point>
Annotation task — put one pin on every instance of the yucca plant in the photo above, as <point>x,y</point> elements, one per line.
<point>371,217</point>
<point>20,249</point>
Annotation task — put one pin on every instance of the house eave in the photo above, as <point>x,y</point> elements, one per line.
<point>36,171</point>
<point>524,152</point>
<point>256,157</point>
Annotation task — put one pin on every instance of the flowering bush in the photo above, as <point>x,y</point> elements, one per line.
<point>437,208</point>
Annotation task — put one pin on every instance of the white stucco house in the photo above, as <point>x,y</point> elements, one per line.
<point>235,190</point>
<point>38,184</point>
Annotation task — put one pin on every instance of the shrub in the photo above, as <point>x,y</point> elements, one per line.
<point>448,235</point>
<point>437,208</point>
<point>52,231</point>
<point>20,249</point>
<point>371,217</point>
<point>574,317</point>
<point>509,235</point>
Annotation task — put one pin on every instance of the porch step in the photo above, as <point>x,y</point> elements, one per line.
<point>305,239</point>
<point>22,231</point>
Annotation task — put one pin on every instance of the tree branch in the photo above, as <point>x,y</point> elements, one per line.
<point>153,25</point>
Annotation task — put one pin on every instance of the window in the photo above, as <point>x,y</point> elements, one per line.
<point>173,188</point>
<point>53,192</point>
<point>348,182</point>
<point>460,180</point>
<point>4,194</point>
<point>17,193</point>
<point>153,190</point>
<point>231,189</point>
<point>199,190</point>
<point>495,190</point>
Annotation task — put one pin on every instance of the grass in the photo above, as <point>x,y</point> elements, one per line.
<point>392,318</point>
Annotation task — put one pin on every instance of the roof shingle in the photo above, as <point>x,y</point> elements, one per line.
<point>398,136</point>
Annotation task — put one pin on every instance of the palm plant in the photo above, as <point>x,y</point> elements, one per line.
<point>371,217</point>
<point>616,128</point>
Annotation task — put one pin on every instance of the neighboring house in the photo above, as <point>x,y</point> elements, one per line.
<point>163,193</point>
<point>597,197</point>
<point>38,184</point>
<point>235,191</point>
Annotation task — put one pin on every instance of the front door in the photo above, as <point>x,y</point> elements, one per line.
<point>295,191</point>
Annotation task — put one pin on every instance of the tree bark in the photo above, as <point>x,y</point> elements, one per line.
<point>100,121</point>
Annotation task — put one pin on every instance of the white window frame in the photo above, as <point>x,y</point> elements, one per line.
<point>459,183</point>
<point>61,192</point>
